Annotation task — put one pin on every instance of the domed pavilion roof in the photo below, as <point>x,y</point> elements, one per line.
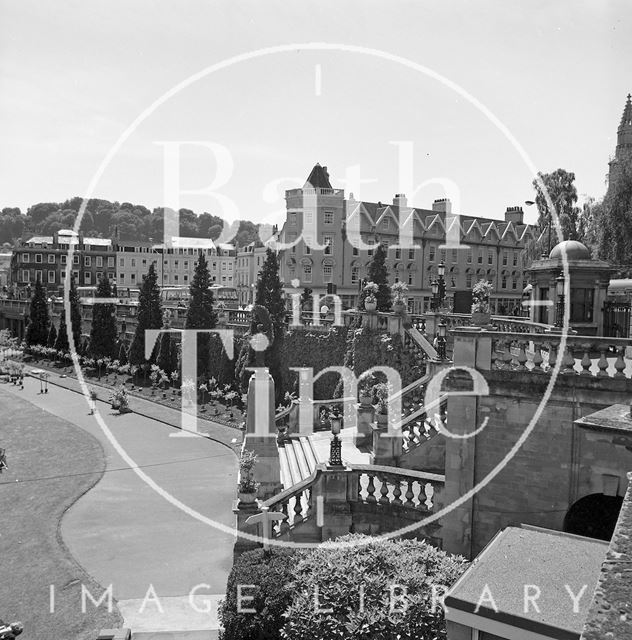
<point>573,249</point>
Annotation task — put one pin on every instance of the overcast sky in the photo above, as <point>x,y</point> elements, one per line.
<point>75,74</point>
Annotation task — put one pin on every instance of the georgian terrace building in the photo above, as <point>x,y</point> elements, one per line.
<point>175,265</point>
<point>320,224</point>
<point>45,257</point>
<point>248,263</point>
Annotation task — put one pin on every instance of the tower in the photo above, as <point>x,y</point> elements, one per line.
<point>624,141</point>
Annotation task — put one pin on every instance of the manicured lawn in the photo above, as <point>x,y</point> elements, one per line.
<point>51,464</point>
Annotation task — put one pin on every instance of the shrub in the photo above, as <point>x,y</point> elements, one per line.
<point>271,573</point>
<point>339,574</point>
<point>480,296</point>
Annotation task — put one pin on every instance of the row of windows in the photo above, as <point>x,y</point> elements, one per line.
<point>51,276</point>
<point>51,258</point>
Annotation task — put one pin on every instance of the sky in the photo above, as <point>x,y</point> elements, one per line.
<point>75,75</point>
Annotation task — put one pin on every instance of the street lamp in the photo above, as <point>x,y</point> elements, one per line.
<point>441,272</point>
<point>559,288</point>
<point>335,447</point>
<point>441,340</point>
<point>434,287</point>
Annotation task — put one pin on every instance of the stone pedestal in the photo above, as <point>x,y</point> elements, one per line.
<point>387,449</point>
<point>242,513</point>
<point>261,433</point>
<point>337,518</point>
<point>366,416</point>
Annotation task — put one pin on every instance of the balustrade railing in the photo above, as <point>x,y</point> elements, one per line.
<point>538,354</point>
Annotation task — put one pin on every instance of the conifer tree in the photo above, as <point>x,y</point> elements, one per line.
<point>52,335</point>
<point>167,354</point>
<point>378,274</point>
<point>75,314</point>
<point>61,344</point>
<point>201,314</point>
<point>37,330</point>
<point>270,295</point>
<point>149,315</point>
<point>103,331</point>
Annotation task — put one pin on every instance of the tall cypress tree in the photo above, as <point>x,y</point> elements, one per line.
<point>61,344</point>
<point>75,314</point>
<point>201,314</point>
<point>37,331</point>
<point>167,357</point>
<point>52,335</point>
<point>103,331</point>
<point>270,295</point>
<point>149,314</point>
<point>378,273</point>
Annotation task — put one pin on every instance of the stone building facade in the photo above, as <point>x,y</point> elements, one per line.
<point>248,263</point>
<point>327,238</point>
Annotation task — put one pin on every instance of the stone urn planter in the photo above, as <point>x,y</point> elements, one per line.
<point>370,305</point>
<point>247,497</point>
<point>399,307</point>
<point>381,419</point>
<point>365,399</point>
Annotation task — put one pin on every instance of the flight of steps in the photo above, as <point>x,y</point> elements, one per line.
<point>297,460</point>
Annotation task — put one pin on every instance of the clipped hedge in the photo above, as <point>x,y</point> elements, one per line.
<point>318,350</point>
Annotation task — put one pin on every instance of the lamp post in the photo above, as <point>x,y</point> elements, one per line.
<point>441,292</point>
<point>442,340</point>
<point>434,303</point>
<point>335,447</point>
<point>559,288</point>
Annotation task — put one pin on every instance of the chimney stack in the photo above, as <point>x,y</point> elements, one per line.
<point>442,204</point>
<point>514,215</point>
<point>400,200</point>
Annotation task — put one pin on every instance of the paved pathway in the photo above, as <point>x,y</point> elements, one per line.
<point>125,534</point>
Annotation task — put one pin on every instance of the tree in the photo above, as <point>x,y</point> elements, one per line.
<point>75,313</point>
<point>270,295</point>
<point>345,574</point>
<point>52,335</point>
<point>563,193</point>
<point>378,273</point>
<point>61,344</point>
<point>103,331</point>
<point>615,219</point>
<point>37,330</point>
<point>149,314</point>
<point>201,314</point>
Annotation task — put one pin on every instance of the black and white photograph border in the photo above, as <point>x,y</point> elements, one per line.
<point>269,399</point>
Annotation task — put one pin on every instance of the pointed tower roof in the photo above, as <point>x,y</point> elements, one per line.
<point>319,178</point>
<point>624,132</point>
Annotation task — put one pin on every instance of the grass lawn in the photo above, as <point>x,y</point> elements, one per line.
<point>51,464</point>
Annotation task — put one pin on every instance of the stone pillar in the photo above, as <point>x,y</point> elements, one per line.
<point>242,513</point>
<point>387,449</point>
<point>261,432</point>
<point>471,349</point>
<point>332,488</point>
<point>366,416</point>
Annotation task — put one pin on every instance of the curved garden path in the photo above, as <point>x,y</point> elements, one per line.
<point>125,534</point>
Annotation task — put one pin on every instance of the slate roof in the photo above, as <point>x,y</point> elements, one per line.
<point>319,178</point>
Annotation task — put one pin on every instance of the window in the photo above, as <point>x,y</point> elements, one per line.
<point>309,217</point>
<point>51,277</point>
<point>175,277</point>
<point>110,275</point>
<point>99,275</point>
<point>355,274</point>
<point>329,217</point>
<point>186,264</point>
<point>469,256</point>
<point>514,283</point>
<point>63,275</point>
<point>121,277</point>
<point>504,258</point>
<point>63,259</point>
<point>582,305</point>
<point>386,223</point>
<point>25,257</point>
<point>468,280</point>
<point>87,277</point>
<point>370,251</point>
<point>515,259</point>
<point>99,261</point>
<point>432,251</point>
<point>411,254</point>
<point>327,273</point>
<point>455,255</point>
<point>308,245</point>
<point>111,262</point>
<point>292,219</point>
<point>490,257</point>
<point>186,277</point>
<point>51,258</point>
<point>480,257</point>
<point>398,254</point>
<point>133,264</point>
<point>328,241</point>
<point>307,272</point>
<point>355,251</point>
<point>25,275</point>
<point>121,262</point>
<point>410,277</point>
<point>38,276</point>
<point>503,282</point>
<point>443,256</point>
<point>87,261</point>
<point>38,257</point>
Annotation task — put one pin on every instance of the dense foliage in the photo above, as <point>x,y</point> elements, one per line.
<point>103,330</point>
<point>37,329</point>
<point>292,588</point>
<point>75,312</point>
<point>125,220</point>
<point>378,274</point>
<point>149,315</point>
<point>201,314</point>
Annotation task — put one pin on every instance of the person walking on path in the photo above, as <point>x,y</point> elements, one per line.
<point>93,402</point>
